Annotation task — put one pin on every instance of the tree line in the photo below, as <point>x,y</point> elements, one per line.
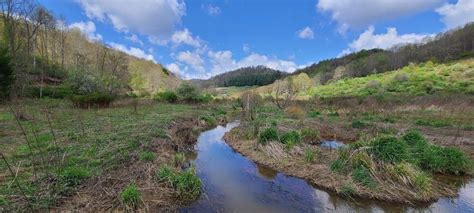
<point>445,47</point>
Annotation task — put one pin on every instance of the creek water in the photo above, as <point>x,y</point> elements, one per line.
<point>233,183</point>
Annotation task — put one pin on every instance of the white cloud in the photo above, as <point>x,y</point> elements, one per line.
<point>369,40</point>
<point>246,48</point>
<point>88,29</point>
<point>222,61</point>
<point>185,37</point>
<point>173,67</point>
<point>213,10</point>
<point>155,18</point>
<point>362,13</point>
<point>457,15</point>
<point>192,59</point>
<point>137,52</point>
<point>306,33</point>
<point>134,38</point>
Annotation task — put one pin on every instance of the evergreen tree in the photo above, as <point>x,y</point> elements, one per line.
<point>6,74</point>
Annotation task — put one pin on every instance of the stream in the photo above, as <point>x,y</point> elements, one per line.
<point>233,183</point>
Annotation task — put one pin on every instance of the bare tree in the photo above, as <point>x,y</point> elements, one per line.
<point>285,92</point>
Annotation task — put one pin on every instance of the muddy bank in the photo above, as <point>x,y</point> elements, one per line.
<point>319,173</point>
<point>101,193</point>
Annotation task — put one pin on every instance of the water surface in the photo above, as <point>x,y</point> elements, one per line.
<point>233,183</point>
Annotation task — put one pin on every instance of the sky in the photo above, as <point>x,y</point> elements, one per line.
<point>203,38</point>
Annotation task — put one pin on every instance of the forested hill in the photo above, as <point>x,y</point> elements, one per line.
<point>248,76</point>
<point>445,47</point>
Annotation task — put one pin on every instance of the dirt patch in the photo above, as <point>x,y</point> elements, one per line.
<point>319,173</point>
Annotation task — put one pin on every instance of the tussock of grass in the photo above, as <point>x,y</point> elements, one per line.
<point>267,135</point>
<point>186,184</point>
<point>131,196</point>
<point>147,156</point>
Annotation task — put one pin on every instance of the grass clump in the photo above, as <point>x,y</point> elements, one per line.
<point>413,137</point>
<point>211,121</point>
<point>309,156</point>
<point>168,96</point>
<point>290,139</point>
<point>314,114</point>
<point>358,124</point>
<point>179,159</point>
<point>147,156</point>
<point>309,135</point>
<point>131,196</point>
<point>389,149</point>
<point>186,184</point>
<point>338,166</point>
<point>267,135</point>
<point>444,160</point>
<point>74,175</point>
<point>362,176</point>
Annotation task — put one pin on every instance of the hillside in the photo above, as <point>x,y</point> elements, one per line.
<point>445,47</point>
<point>248,76</point>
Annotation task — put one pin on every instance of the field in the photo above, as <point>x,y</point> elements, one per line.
<point>73,157</point>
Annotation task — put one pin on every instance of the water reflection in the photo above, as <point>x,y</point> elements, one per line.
<point>232,183</point>
<point>332,144</point>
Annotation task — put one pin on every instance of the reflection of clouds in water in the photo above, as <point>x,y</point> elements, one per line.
<point>214,136</point>
<point>463,203</point>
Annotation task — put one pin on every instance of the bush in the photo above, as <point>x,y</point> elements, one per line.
<point>93,100</point>
<point>204,98</point>
<point>389,149</point>
<point>131,196</point>
<point>187,92</point>
<point>74,175</point>
<point>147,156</point>
<point>269,134</point>
<point>311,136</point>
<point>167,96</point>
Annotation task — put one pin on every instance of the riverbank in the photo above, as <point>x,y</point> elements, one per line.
<point>334,121</point>
<point>96,159</point>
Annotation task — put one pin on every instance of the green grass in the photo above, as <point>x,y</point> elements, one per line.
<point>268,135</point>
<point>309,155</point>
<point>147,156</point>
<point>422,79</point>
<point>186,184</point>
<point>131,196</point>
<point>347,190</point>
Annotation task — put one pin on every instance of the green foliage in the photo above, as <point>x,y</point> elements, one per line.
<point>147,156</point>
<point>362,176</point>
<point>268,135</point>
<point>168,96</point>
<point>432,123</point>
<point>338,166</point>
<point>314,114</point>
<point>309,156</point>
<point>165,174</point>
<point>131,196</point>
<point>309,135</point>
<point>412,137</point>
<point>74,175</point>
<point>444,160</point>
<point>7,77</point>
<point>187,92</point>
<point>211,121</point>
<point>389,149</point>
<point>290,139</point>
<point>179,159</point>
<point>186,183</point>
<point>84,83</point>
<point>423,182</point>
<point>95,99</point>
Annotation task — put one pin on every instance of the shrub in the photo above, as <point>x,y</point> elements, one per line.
<point>292,137</point>
<point>167,96</point>
<point>147,156</point>
<point>295,112</point>
<point>187,92</point>
<point>74,175</point>
<point>309,135</point>
<point>131,196</point>
<point>362,176</point>
<point>92,100</point>
<point>267,135</point>
<point>389,149</point>
<point>204,98</point>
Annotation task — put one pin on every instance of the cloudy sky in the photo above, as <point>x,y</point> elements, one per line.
<point>202,38</point>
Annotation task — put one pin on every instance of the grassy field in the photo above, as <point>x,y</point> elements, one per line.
<point>52,150</point>
<point>288,140</point>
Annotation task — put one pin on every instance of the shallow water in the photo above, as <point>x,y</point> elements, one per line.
<point>233,183</point>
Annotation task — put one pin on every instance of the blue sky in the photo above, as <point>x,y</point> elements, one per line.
<point>202,38</point>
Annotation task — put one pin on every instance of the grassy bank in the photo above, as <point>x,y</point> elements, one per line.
<point>57,155</point>
<point>375,131</point>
